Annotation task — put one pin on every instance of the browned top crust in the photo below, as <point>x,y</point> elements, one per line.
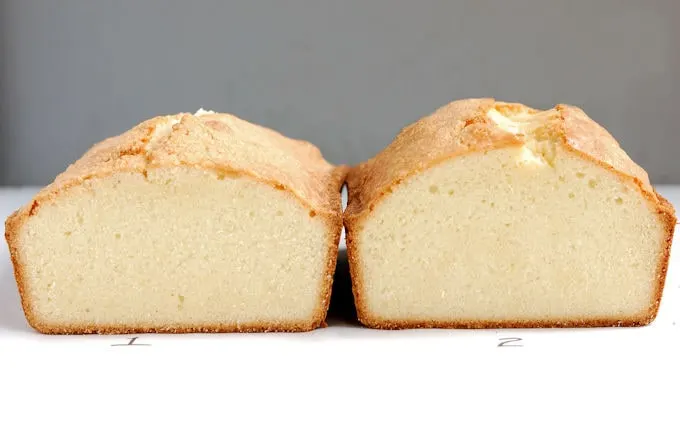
<point>219,141</point>
<point>463,126</point>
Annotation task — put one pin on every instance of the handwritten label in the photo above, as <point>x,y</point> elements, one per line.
<point>510,342</point>
<point>132,342</point>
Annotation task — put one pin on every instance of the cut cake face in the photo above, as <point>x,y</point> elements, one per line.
<point>210,224</point>
<point>525,218</point>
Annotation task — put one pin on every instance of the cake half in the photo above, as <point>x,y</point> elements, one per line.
<point>185,223</point>
<point>489,214</point>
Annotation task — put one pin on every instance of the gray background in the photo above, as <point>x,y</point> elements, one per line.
<point>346,75</point>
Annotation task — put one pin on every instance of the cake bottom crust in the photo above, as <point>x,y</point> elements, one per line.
<point>263,327</point>
<point>463,324</point>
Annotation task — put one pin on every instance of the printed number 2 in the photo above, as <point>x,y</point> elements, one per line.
<point>507,342</point>
<point>132,343</point>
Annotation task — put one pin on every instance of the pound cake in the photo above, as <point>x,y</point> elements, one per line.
<point>185,223</point>
<point>490,214</point>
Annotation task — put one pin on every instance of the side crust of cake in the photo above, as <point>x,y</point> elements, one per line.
<point>461,128</point>
<point>202,143</point>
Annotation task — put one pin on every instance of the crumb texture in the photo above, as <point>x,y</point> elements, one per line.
<point>180,247</point>
<point>501,237</point>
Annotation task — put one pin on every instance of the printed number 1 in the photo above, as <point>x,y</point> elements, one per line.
<point>507,342</point>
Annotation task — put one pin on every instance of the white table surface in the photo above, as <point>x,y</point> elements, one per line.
<point>343,372</point>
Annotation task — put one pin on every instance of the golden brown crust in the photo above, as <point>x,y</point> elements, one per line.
<point>584,135</point>
<point>211,142</point>
<point>218,141</point>
<point>462,127</point>
<point>454,129</point>
<point>291,327</point>
<point>667,215</point>
<point>479,324</point>
<point>12,225</point>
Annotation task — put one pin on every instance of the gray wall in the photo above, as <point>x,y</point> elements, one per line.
<point>346,75</point>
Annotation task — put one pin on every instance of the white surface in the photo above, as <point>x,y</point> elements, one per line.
<point>343,372</point>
